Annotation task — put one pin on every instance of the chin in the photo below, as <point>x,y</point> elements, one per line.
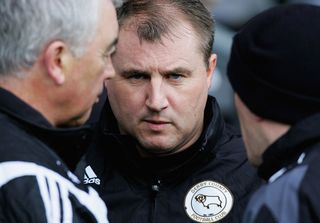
<point>82,119</point>
<point>77,120</point>
<point>148,150</point>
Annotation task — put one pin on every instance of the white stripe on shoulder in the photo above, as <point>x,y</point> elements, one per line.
<point>50,183</point>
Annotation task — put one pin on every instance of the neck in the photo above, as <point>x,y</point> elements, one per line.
<point>30,90</point>
<point>274,130</point>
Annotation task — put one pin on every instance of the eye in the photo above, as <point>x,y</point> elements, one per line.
<point>137,76</point>
<point>175,76</point>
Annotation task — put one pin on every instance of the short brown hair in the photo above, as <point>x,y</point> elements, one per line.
<point>157,18</point>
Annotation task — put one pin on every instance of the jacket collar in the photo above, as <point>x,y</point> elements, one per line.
<point>18,109</point>
<point>300,138</point>
<point>69,143</point>
<point>202,151</point>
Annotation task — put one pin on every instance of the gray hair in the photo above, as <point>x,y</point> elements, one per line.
<point>27,26</point>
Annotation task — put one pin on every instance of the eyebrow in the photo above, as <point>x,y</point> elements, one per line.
<point>129,72</point>
<point>178,70</point>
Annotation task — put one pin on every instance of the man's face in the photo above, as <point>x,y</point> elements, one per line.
<point>89,71</point>
<point>160,89</point>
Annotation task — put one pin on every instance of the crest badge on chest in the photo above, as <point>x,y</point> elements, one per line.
<point>208,201</point>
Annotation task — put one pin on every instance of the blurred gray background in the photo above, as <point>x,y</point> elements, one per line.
<point>230,15</point>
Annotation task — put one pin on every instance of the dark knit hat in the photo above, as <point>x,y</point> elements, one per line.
<point>275,63</point>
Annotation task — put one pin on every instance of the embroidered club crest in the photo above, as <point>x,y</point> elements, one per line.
<point>208,201</point>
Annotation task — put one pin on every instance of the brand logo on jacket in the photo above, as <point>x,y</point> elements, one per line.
<point>61,198</point>
<point>90,177</point>
<point>208,201</point>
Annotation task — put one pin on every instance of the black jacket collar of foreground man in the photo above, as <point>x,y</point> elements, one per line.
<point>69,144</point>
<point>284,152</point>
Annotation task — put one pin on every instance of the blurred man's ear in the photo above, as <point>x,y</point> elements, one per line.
<point>54,57</point>
<point>211,67</point>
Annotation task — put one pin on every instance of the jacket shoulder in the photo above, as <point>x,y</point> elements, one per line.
<point>16,143</point>
<point>231,144</point>
<point>293,197</point>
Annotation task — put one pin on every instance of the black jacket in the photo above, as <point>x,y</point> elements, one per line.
<point>292,167</point>
<point>36,185</point>
<point>214,173</point>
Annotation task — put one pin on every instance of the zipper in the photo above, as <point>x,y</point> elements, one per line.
<point>155,189</point>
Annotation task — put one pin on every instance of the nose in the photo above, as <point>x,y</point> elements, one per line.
<point>156,96</point>
<point>109,71</point>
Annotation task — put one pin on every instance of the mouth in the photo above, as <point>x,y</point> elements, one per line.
<point>156,122</point>
<point>157,125</point>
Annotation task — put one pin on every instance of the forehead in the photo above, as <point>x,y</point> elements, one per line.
<point>178,48</point>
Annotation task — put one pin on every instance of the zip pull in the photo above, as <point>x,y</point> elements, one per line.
<point>156,187</point>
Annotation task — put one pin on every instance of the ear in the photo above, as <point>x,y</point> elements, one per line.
<point>53,58</point>
<point>211,67</point>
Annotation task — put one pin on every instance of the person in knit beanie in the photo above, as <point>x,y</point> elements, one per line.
<point>274,69</point>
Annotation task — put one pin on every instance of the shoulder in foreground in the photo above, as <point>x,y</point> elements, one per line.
<point>15,143</point>
<point>289,197</point>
